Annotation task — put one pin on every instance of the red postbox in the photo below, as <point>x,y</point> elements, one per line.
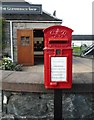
<point>58,57</point>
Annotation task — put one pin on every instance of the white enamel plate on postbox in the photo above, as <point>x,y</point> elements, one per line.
<point>59,69</point>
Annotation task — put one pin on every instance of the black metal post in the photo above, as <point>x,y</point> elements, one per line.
<point>58,104</point>
<point>2,97</point>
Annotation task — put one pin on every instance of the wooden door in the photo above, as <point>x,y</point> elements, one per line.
<point>25,46</point>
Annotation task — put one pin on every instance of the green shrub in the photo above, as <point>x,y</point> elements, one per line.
<point>7,64</point>
<point>2,34</point>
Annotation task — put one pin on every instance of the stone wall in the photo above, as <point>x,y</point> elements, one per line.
<point>40,106</point>
<point>7,38</point>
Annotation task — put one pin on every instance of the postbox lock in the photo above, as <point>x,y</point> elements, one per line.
<point>58,51</point>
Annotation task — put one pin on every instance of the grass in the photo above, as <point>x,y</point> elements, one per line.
<point>76,51</point>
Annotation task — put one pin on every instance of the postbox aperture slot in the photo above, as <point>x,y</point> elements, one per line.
<point>58,42</point>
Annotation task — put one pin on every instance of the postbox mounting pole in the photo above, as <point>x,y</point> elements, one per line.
<point>58,104</point>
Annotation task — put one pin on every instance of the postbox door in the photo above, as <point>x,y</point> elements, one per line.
<point>58,73</point>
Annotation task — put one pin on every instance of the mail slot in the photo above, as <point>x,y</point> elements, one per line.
<point>57,57</point>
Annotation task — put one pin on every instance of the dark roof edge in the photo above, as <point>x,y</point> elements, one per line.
<point>52,15</point>
<point>82,37</point>
<point>28,4</point>
<point>32,21</point>
<point>25,3</point>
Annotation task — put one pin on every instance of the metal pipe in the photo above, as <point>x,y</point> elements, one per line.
<point>11,40</point>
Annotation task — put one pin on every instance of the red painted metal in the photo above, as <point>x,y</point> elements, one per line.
<point>57,48</point>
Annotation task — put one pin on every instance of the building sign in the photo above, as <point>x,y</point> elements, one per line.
<point>21,9</point>
<point>58,69</point>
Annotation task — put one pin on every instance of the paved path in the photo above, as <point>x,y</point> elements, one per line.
<point>79,65</point>
<point>31,79</point>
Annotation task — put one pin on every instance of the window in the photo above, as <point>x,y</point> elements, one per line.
<point>25,40</point>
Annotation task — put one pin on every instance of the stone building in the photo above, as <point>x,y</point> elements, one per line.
<point>24,25</point>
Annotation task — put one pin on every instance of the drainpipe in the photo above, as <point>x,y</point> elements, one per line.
<point>11,40</point>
